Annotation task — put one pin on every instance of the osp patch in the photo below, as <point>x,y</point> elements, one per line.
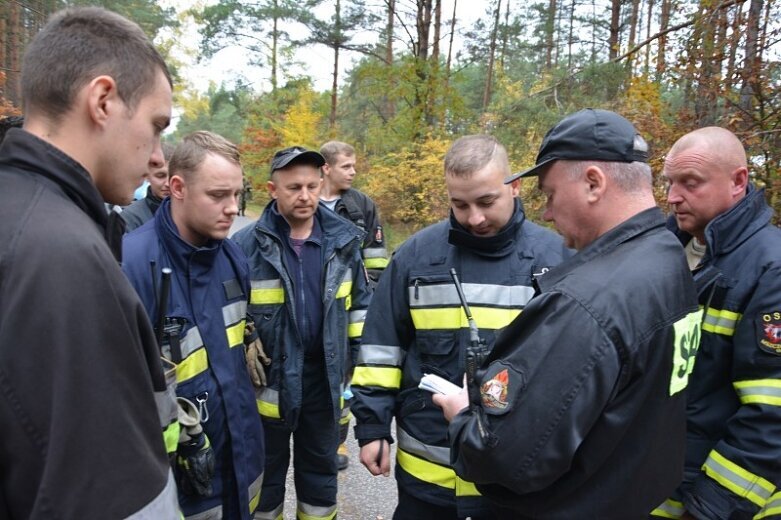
<point>769,333</point>
<point>494,391</point>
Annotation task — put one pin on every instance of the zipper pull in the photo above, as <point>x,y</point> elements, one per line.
<point>416,289</point>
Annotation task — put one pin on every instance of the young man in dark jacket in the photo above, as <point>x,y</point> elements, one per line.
<point>578,412</point>
<point>415,325</point>
<point>80,373</point>
<point>144,209</point>
<point>309,297</point>
<point>733,443</point>
<point>208,298</point>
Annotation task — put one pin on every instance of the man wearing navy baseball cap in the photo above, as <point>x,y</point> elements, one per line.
<point>581,412</point>
<point>308,300</point>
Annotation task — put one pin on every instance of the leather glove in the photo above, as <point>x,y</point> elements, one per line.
<point>255,355</point>
<point>194,454</point>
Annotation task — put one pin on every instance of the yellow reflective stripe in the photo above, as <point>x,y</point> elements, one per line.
<point>432,473</point>
<point>344,289</point>
<point>235,334</point>
<point>254,493</point>
<point>195,363</point>
<point>772,507</point>
<point>171,437</point>
<point>275,514</point>
<point>266,296</point>
<point>759,391</point>
<point>355,330</point>
<point>345,419</point>
<point>721,321</point>
<point>454,317</point>
<point>268,402</point>
<point>669,509</point>
<point>738,480</point>
<point>384,377</point>
<point>375,263</point>
<point>306,511</point>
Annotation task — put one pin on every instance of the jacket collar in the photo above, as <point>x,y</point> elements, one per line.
<point>630,229</point>
<point>337,231</point>
<point>730,229</point>
<point>498,245</point>
<point>184,256</point>
<point>152,201</point>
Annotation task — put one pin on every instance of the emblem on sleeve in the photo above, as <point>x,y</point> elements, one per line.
<point>770,332</point>
<point>494,391</point>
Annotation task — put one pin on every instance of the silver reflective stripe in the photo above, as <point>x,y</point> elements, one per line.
<point>720,321</point>
<point>375,252</point>
<point>254,488</point>
<point>164,506</point>
<point>515,296</point>
<point>752,488</point>
<point>380,355</point>
<point>192,341</point>
<point>167,410</point>
<point>357,316</point>
<point>755,390</point>
<point>348,276</point>
<point>267,395</point>
<point>270,515</point>
<point>317,511</point>
<point>266,284</point>
<point>438,454</point>
<point>214,513</point>
<point>669,509</point>
<point>234,312</point>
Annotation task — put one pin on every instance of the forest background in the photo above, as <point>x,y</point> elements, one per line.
<point>422,78</point>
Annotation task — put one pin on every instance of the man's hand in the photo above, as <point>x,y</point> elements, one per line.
<point>376,457</point>
<point>255,355</point>
<point>452,404</point>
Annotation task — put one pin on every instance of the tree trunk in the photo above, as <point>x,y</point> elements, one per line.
<point>390,109</point>
<point>646,67</point>
<point>450,45</point>
<point>633,25</point>
<point>505,35</point>
<point>570,36</point>
<point>491,52</point>
<point>752,62</point>
<point>550,27</point>
<point>613,42</point>
<point>437,31</point>
<point>734,43</point>
<point>335,84</point>
<point>664,22</point>
<point>274,47</point>
<point>14,54</point>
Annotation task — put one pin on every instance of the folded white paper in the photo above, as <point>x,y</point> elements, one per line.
<point>438,385</point>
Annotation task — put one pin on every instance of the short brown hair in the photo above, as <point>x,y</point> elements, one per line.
<point>472,153</point>
<point>332,149</point>
<point>79,44</point>
<point>190,153</point>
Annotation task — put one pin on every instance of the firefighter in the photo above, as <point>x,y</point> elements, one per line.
<point>309,297</point>
<point>415,325</point>
<point>733,443</point>
<point>219,459</point>
<point>578,412</point>
<point>79,366</point>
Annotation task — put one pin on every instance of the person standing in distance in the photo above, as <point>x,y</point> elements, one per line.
<point>415,325</point>
<point>144,209</point>
<point>579,410</point>
<point>80,372</point>
<point>733,444</point>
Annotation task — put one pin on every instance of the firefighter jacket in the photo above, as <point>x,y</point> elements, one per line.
<point>79,369</point>
<point>140,211</point>
<point>209,290</point>
<point>273,306</point>
<point>581,400</point>
<point>416,325</point>
<point>360,209</point>
<point>734,409</point>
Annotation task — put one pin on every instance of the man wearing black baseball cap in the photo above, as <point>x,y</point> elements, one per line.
<point>581,412</point>
<point>308,299</point>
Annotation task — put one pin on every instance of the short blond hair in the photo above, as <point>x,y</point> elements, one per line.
<point>191,152</point>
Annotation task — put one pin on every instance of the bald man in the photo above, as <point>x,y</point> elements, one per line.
<point>733,443</point>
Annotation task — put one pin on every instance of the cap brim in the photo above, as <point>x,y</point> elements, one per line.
<point>308,157</point>
<point>531,172</point>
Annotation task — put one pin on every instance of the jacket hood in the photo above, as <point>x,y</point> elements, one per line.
<point>339,230</point>
<point>497,245</point>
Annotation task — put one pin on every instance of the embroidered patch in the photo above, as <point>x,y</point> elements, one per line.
<point>494,391</point>
<point>378,235</point>
<point>232,289</point>
<point>770,332</point>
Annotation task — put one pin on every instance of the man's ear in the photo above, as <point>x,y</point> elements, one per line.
<point>326,169</point>
<point>596,182</point>
<point>739,182</point>
<point>177,185</point>
<point>272,189</point>
<point>102,99</point>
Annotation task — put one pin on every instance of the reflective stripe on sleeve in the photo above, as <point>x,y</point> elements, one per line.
<point>268,402</point>
<point>759,391</point>
<point>309,512</point>
<point>721,321</point>
<point>355,324</point>
<point>254,493</point>
<point>669,509</point>
<point>434,474</point>
<point>515,296</point>
<point>772,508</point>
<point>194,358</point>
<point>375,252</point>
<point>274,514</point>
<point>436,454</point>
<point>380,355</point>
<point>234,316</point>
<point>164,505</point>
<point>383,377</point>
<point>738,480</point>
<point>264,292</point>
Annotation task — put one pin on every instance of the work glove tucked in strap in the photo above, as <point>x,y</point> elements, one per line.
<point>194,454</point>
<point>255,355</point>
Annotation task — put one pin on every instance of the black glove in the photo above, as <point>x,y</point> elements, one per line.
<point>194,454</point>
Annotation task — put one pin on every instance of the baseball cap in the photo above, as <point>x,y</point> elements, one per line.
<point>590,134</point>
<point>295,154</point>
